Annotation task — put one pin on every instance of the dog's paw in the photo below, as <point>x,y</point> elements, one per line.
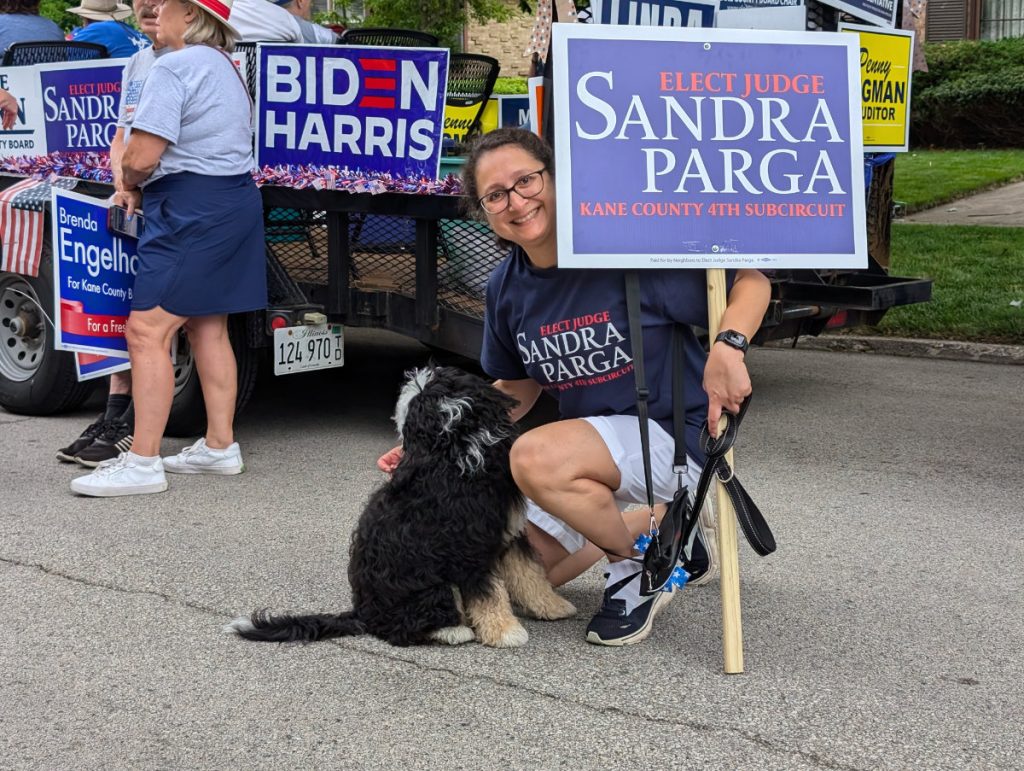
<point>453,635</point>
<point>550,607</point>
<point>514,636</point>
<point>558,608</point>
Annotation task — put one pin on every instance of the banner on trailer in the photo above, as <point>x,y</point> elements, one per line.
<point>93,276</point>
<point>731,5</point>
<point>535,87</point>
<point>886,58</point>
<point>655,13</point>
<point>881,13</point>
<point>708,148</point>
<point>89,366</point>
<point>27,137</point>
<point>368,108</point>
<point>514,110</point>
<point>80,103</point>
<point>458,120</point>
<point>743,14</point>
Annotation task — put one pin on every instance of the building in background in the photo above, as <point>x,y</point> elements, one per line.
<point>974,19</point>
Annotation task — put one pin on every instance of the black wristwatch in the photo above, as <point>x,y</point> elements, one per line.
<point>733,338</point>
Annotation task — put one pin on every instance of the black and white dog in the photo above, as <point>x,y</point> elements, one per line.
<point>440,549</point>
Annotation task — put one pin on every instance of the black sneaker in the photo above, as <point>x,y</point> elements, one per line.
<point>67,454</point>
<point>700,558</point>
<point>115,439</point>
<point>613,626</point>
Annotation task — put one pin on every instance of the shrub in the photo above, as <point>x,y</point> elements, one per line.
<point>972,95</point>
<point>510,86</point>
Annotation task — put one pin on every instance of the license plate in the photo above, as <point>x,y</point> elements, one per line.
<point>308,347</point>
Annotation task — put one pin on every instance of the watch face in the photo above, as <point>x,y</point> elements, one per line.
<point>733,338</point>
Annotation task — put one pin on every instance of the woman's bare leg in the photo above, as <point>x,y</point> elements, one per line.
<point>149,335</point>
<point>218,376</point>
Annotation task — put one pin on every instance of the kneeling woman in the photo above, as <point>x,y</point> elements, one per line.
<point>201,256</point>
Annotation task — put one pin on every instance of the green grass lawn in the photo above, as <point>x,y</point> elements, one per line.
<point>926,178</point>
<point>977,273</point>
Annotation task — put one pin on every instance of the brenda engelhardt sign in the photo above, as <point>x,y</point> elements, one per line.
<point>93,276</point>
<point>708,148</point>
<point>373,109</point>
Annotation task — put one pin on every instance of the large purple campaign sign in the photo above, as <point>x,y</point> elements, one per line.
<point>80,102</point>
<point>707,148</point>
<point>367,108</point>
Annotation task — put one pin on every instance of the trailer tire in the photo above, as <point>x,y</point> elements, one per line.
<point>188,410</point>
<point>35,379</point>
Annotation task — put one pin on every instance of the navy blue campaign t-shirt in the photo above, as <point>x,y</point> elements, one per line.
<point>568,329</point>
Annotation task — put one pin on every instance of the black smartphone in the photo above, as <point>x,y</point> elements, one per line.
<point>118,222</point>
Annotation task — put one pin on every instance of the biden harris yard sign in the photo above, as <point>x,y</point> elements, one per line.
<point>706,148</point>
<point>368,108</point>
<point>93,276</point>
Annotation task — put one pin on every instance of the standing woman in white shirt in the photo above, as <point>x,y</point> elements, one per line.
<point>201,255</point>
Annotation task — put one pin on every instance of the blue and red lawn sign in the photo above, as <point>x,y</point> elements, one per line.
<point>89,366</point>
<point>701,148</point>
<point>93,277</point>
<point>363,108</point>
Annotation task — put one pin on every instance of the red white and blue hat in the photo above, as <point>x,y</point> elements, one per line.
<point>220,10</point>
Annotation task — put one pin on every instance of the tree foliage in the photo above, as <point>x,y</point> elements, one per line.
<point>443,18</point>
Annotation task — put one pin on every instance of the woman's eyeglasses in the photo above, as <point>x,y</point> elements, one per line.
<point>527,186</point>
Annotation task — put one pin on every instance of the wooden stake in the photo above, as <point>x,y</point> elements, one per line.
<point>728,553</point>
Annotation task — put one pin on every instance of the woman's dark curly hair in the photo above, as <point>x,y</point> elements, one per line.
<point>527,140</point>
<point>20,6</point>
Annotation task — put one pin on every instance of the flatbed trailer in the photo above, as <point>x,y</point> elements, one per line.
<point>408,263</point>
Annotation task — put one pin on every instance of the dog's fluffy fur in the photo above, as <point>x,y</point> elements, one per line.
<point>440,549</point>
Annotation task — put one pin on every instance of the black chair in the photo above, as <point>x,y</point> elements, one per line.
<point>48,51</point>
<point>471,79</point>
<point>380,36</point>
<point>249,49</point>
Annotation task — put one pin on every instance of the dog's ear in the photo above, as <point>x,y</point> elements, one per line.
<point>416,381</point>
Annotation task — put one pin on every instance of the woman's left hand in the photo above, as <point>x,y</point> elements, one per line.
<point>129,199</point>
<point>726,382</point>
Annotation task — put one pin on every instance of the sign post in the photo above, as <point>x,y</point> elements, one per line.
<point>728,548</point>
<point>708,149</point>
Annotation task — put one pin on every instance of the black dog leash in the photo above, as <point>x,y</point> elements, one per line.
<point>749,517</point>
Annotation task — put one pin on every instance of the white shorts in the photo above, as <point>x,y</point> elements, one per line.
<point>621,435</point>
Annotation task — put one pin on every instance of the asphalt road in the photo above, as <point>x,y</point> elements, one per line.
<point>884,633</point>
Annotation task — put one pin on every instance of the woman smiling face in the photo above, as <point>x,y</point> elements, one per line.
<point>528,222</point>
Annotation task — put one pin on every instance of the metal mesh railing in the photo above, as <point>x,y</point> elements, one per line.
<point>383,254</point>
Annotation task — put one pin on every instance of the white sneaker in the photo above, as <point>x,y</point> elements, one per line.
<point>123,475</point>
<point>200,459</point>
<point>707,533</point>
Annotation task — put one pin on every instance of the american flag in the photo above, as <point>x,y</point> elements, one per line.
<point>22,223</point>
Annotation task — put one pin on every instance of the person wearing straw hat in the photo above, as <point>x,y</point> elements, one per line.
<point>103,23</point>
<point>188,158</point>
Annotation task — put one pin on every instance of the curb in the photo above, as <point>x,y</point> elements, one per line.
<point>988,353</point>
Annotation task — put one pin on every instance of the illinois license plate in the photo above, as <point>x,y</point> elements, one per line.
<point>308,347</point>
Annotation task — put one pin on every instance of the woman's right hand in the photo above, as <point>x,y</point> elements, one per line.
<point>129,199</point>
<point>9,107</point>
<point>388,462</point>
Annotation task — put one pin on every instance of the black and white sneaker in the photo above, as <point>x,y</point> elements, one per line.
<point>115,438</point>
<point>612,625</point>
<point>67,454</point>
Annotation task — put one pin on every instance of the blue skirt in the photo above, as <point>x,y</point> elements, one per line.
<point>201,252</point>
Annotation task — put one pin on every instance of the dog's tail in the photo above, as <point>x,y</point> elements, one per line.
<point>264,627</point>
